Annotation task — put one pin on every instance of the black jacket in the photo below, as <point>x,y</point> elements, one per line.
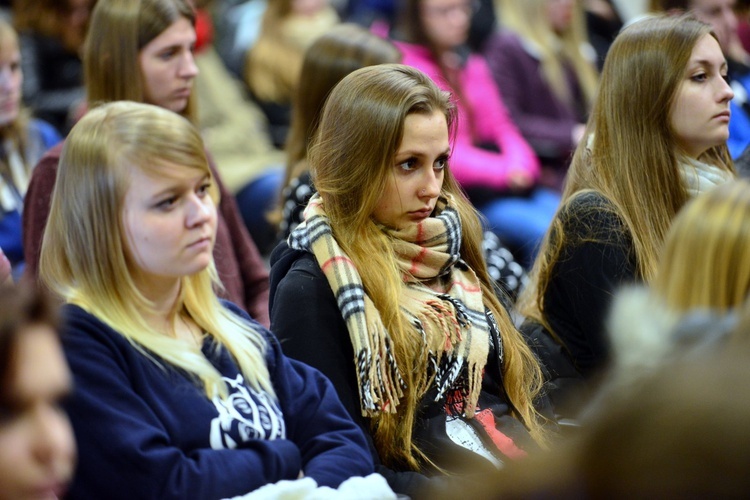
<point>596,259</point>
<point>309,325</point>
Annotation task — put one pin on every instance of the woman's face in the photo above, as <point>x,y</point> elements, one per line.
<point>11,79</point>
<point>37,448</point>
<point>308,7</point>
<point>560,14</point>
<point>77,14</point>
<point>168,67</point>
<point>417,172</point>
<point>169,220</point>
<point>720,14</point>
<point>700,113</point>
<point>446,22</point>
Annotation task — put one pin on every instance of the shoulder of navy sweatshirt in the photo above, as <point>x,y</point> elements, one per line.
<point>146,430</point>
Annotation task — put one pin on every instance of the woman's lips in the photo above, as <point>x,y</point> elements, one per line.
<point>421,214</point>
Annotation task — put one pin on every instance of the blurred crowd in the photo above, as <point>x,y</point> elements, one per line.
<point>486,247</point>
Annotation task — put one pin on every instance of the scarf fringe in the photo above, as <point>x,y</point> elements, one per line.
<point>452,325</point>
<point>381,385</point>
<point>449,318</point>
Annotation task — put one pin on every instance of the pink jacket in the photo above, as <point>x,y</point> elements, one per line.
<point>471,165</point>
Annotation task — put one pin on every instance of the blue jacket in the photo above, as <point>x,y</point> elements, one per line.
<point>739,125</point>
<point>40,136</point>
<point>146,430</point>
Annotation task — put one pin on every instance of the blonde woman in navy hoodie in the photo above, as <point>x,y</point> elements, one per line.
<point>177,394</point>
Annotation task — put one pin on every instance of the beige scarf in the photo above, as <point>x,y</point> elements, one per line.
<point>450,319</point>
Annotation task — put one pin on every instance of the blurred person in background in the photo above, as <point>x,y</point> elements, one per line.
<point>52,35</point>
<point>37,447</point>
<point>603,23</point>
<point>274,61</point>
<point>545,68</point>
<point>23,141</point>
<point>236,131</point>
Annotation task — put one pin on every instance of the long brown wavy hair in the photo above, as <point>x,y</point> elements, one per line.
<point>350,159</point>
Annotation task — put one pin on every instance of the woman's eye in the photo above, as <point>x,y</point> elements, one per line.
<point>441,163</point>
<point>701,77</point>
<point>203,189</point>
<point>167,203</point>
<point>408,165</point>
<point>167,54</point>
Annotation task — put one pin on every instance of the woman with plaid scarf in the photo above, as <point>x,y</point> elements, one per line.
<point>383,288</point>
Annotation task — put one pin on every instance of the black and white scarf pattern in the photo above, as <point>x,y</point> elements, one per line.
<point>451,321</point>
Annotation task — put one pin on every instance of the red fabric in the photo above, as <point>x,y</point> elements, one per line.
<point>743,31</point>
<point>204,30</point>
<point>505,444</point>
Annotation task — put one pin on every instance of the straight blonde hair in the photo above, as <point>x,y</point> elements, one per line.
<point>528,19</point>
<point>706,259</point>
<point>83,251</point>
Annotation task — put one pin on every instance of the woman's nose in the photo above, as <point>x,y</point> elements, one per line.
<point>725,92</point>
<point>188,68</point>
<point>53,435</point>
<point>199,211</point>
<point>431,185</point>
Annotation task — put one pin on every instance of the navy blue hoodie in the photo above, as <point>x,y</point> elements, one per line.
<point>147,430</point>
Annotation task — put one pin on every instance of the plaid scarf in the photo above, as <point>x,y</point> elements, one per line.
<point>451,322</point>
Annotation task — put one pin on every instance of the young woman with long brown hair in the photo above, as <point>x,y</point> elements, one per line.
<point>657,137</point>
<point>384,288</point>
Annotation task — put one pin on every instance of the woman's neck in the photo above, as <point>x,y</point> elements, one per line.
<point>163,296</point>
<point>167,314</point>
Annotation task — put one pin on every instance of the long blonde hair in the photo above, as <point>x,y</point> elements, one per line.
<point>118,31</point>
<point>83,251</point>
<point>706,258</point>
<point>350,159</point>
<point>273,63</point>
<point>17,130</point>
<point>528,19</point>
<point>632,157</point>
